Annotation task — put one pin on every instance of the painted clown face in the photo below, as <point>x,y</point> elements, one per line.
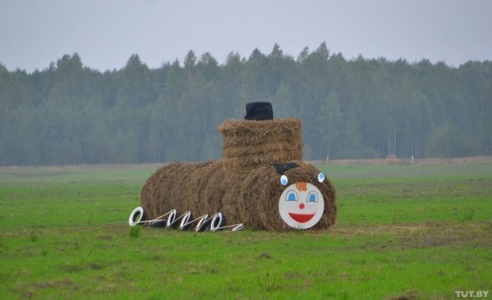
<point>301,204</point>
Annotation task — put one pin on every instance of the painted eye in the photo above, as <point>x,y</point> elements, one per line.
<point>321,177</point>
<point>284,180</point>
<point>312,197</point>
<point>291,196</point>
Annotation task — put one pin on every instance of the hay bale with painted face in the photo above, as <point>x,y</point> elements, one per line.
<point>265,201</point>
<point>261,182</point>
<point>259,198</point>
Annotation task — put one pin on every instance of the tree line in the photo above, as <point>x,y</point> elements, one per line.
<point>360,108</point>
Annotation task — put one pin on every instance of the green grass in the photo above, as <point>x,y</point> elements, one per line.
<point>414,232</point>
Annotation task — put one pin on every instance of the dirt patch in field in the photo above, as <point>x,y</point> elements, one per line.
<point>28,290</point>
<point>421,236</point>
<point>452,235</point>
<point>410,295</point>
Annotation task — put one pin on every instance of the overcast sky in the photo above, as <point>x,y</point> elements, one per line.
<point>105,33</point>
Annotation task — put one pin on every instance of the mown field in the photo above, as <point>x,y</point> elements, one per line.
<point>403,232</point>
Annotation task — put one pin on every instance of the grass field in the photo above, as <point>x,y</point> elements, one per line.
<point>403,232</point>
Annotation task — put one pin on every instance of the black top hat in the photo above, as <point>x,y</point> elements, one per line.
<point>259,111</point>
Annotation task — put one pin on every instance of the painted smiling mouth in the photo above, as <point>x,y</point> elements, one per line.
<point>301,218</point>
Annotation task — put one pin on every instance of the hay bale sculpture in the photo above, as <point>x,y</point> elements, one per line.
<point>261,182</point>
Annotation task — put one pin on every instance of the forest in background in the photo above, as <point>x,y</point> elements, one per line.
<point>359,108</point>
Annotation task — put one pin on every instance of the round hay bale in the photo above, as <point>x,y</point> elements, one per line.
<point>259,193</point>
<point>250,197</point>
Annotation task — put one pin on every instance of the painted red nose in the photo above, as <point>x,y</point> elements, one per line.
<point>301,206</point>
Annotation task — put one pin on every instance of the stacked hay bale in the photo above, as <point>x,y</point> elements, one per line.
<point>248,144</point>
<point>245,185</point>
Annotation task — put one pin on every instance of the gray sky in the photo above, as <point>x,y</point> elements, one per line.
<point>105,33</point>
